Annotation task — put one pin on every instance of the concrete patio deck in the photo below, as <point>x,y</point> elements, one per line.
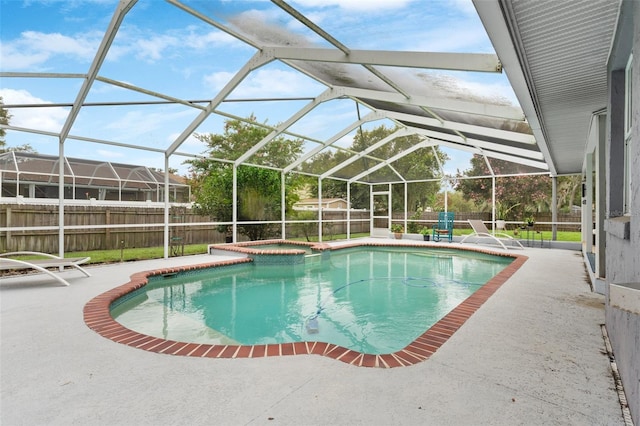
<point>532,354</point>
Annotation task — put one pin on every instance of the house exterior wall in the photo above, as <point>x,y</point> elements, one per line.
<point>622,312</point>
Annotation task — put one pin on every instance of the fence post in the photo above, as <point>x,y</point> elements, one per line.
<point>8,226</point>
<point>107,231</point>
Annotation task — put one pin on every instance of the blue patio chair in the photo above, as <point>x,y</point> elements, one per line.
<point>444,227</point>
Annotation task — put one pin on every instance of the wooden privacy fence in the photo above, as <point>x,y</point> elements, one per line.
<point>86,227</point>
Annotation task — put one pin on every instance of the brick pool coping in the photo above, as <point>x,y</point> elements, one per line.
<point>97,317</point>
<point>253,247</point>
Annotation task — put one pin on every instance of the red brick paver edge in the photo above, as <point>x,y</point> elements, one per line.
<point>97,317</point>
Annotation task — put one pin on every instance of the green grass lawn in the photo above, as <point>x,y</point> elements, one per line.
<point>131,254</point>
<point>546,235</point>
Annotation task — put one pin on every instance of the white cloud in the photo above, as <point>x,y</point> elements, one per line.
<point>144,127</point>
<point>265,83</point>
<point>34,48</point>
<point>170,43</point>
<point>345,141</point>
<point>209,39</point>
<point>465,6</point>
<point>462,36</point>
<point>191,141</point>
<point>47,119</point>
<point>315,124</point>
<point>152,48</point>
<point>216,81</point>
<point>359,5</point>
<point>103,153</point>
<point>139,126</point>
<point>458,160</point>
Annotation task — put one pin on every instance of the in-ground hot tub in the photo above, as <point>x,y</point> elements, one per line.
<point>271,251</point>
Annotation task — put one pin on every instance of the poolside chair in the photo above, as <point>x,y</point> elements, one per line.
<point>480,231</point>
<point>7,263</point>
<point>444,227</point>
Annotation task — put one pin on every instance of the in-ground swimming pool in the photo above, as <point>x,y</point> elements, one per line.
<point>373,300</point>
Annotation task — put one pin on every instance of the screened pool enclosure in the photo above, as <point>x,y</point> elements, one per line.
<point>340,92</point>
<point>29,175</point>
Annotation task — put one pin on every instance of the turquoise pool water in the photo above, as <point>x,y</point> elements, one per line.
<point>370,299</point>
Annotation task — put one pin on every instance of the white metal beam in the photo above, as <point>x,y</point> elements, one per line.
<point>323,97</point>
<point>258,60</point>
<point>149,92</point>
<point>41,75</point>
<point>388,162</point>
<point>123,7</point>
<point>479,62</point>
<point>500,156</point>
<point>476,108</point>
<point>462,127</point>
<point>92,140</point>
<point>216,24</point>
<point>309,24</point>
<point>372,116</point>
<point>397,134</point>
<point>526,153</point>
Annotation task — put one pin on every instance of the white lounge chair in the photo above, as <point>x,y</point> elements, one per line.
<point>7,263</point>
<point>480,231</point>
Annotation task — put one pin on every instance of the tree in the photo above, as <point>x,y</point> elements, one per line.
<point>259,188</point>
<point>4,119</point>
<point>516,196</point>
<point>172,170</point>
<point>419,165</point>
<point>568,192</point>
<point>456,202</point>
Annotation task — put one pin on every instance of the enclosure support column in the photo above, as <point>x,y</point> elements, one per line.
<point>554,208</point>
<point>319,209</point>
<point>446,200</point>
<point>601,192</point>
<point>587,205</point>
<point>61,199</point>
<point>348,210</point>
<point>166,207</point>
<point>493,203</point>
<point>405,206</point>
<point>234,208</point>
<point>283,206</point>
<point>371,210</point>
<point>390,204</point>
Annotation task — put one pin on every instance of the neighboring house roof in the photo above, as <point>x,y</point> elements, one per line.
<point>40,168</point>
<point>324,200</point>
<point>312,203</point>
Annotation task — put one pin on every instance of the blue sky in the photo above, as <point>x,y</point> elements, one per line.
<point>161,48</point>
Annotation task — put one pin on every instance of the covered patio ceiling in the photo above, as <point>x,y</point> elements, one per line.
<point>389,87</point>
<point>555,55</point>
